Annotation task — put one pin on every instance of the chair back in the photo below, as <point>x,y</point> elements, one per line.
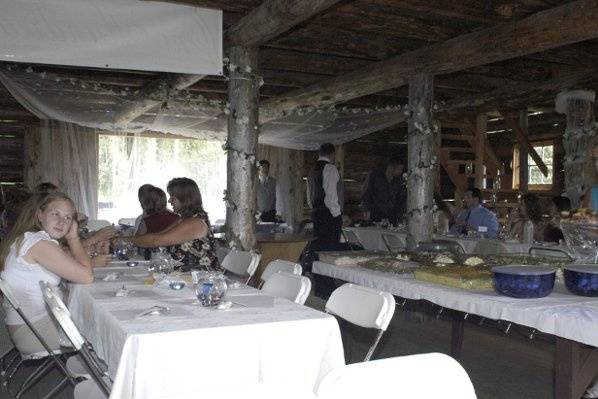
<point>94,225</point>
<point>61,315</point>
<point>363,306</point>
<point>404,377</point>
<point>280,265</point>
<point>490,247</point>
<point>393,243</point>
<point>241,263</point>
<point>127,221</point>
<point>291,286</point>
<point>351,239</point>
<point>550,252</point>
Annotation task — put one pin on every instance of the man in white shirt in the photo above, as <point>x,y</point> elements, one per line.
<point>266,193</point>
<point>324,196</point>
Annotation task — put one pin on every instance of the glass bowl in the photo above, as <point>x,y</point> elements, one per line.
<point>211,288</point>
<point>522,281</point>
<point>582,279</point>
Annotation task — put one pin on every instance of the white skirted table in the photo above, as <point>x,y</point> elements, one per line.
<point>371,239</point>
<point>261,339</point>
<point>572,319</point>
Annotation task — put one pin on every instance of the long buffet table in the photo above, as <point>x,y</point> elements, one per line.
<point>193,349</point>
<point>570,318</point>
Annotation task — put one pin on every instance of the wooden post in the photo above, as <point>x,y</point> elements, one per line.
<point>243,129</point>
<point>420,160</point>
<point>523,154</point>
<point>480,144</point>
<point>578,106</point>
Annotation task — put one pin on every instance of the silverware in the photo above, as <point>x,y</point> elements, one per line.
<point>154,311</point>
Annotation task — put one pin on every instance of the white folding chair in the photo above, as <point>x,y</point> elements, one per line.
<point>49,356</point>
<point>94,225</point>
<point>241,263</point>
<point>127,221</point>
<point>550,252</point>
<point>425,376</point>
<point>291,286</point>
<point>490,247</point>
<point>393,243</point>
<point>351,239</point>
<point>280,265</point>
<point>63,317</point>
<point>363,306</point>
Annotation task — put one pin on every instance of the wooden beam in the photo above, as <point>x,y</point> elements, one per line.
<point>271,18</point>
<point>576,22</point>
<point>524,151</point>
<point>479,146</point>
<point>420,153</point>
<point>489,154</point>
<point>243,129</point>
<point>522,139</point>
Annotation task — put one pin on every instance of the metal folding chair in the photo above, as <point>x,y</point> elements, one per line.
<point>63,318</point>
<point>291,286</point>
<point>393,243</point>
<point>363,306</point>
<point>241,263</point>
<point>280,265</point>
<point>50,357</point>
<point>351,239</point>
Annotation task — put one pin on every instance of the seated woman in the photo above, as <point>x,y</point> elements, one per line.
<point>190,239</point>
<point>530,210</point>
<point>141,193</point>
<point>445,214</point>
<point>32,253</point>
<point>553,232</point>
<point>98,243</point>
<point>157,218</point>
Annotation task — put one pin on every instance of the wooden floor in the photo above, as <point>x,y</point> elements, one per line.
<point>501,367</point>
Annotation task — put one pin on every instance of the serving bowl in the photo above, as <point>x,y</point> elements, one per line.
<point>132,263</point>
<point>582,279</point>
<point>523,281</point>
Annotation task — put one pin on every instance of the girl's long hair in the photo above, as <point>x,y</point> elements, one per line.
<point>28,221</point>
<point>187,192</point>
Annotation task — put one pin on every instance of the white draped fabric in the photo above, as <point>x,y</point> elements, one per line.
<point>69,159</point>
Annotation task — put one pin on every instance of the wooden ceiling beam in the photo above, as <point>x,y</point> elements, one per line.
<point>576,22</point>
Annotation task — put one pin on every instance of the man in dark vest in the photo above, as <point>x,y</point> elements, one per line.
<point>325,197</point>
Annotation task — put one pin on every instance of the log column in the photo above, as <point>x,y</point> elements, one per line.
<point>420,160</point>
<point>578,106</point>
<point>480,150</point>
<point>523,153</point>
<point>243,129</point>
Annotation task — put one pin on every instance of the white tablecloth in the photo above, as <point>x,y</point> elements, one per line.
<point>561,313</point>
<point>173,356</point>
<point>371,239</point>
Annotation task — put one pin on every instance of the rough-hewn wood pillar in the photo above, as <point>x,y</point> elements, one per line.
<point>523,153</point>
<point>421,159</point>
<point>480,149</point>
<point>243,129</point>
<point>578,106</point>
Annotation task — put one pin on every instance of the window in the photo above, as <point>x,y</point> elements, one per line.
<point>126,162</point>
<point>536,179</point>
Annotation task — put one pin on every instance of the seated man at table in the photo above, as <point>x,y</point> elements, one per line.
<point>475,216</point>
<point>385,195</point>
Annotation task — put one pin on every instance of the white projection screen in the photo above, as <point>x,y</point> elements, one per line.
<point>116,34</point>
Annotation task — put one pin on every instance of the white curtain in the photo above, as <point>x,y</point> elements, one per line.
<point>69,159</point>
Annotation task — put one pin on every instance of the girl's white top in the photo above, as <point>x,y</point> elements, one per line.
<point>23,278</point>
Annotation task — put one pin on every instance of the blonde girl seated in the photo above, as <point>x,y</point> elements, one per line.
<point>32,252</point>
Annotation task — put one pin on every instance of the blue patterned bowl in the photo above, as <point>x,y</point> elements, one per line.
<point>582,279</point>
<point>520,281</point>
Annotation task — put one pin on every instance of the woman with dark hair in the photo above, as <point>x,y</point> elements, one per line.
<point>190,239</point>
<point>530,210</point>
<point>553,232</point>
<point>157,217</point>
<point>445,212</point>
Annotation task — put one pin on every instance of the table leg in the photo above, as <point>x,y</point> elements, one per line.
<point>575,366</point>
<point>457,337</point>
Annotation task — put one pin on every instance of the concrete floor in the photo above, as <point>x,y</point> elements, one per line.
<point>501,367</point>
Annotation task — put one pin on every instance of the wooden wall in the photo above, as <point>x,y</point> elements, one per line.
<point>11,155</point>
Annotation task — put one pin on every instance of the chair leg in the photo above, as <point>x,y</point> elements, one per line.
<point>5,367</point>
<point>35,377</point>
<point>13,372</point>
<point>57,388</point>
<point>374,345</point>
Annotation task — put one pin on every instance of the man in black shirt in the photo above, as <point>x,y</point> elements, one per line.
<point>385,195</point>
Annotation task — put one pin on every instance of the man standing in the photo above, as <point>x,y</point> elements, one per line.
<point>385,195</point>
<point>324,195</point>
<point>475,217</point>
<point>266,193</point>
